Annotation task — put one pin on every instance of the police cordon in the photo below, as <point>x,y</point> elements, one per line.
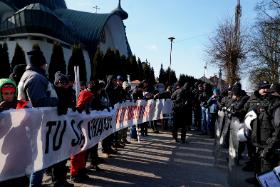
<point>37,138</point>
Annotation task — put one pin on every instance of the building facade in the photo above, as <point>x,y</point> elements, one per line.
<point>43,22</point>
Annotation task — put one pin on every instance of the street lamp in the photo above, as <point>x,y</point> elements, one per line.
<point>171,42</point>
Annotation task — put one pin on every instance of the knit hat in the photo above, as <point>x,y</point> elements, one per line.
<point>275,88</point>
<point>60,78</point>
<point>7,84</point>
<point>37,58</point>
<point>17,72</point>
<point>263,85</point>
<point>19,69</point>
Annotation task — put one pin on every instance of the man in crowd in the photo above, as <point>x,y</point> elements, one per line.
<point>203,98</point>
<point>182,98</point>
<point>35,87</point>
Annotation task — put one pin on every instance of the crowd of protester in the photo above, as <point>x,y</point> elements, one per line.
<point>195,107</point>
<point>28,86</point>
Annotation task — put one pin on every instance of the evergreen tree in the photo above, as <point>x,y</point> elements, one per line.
<point>124,65</point>
<point>97,65</point>
<point>133,68</point>
<point>5,69</point>
<point>77,59</point>
<point>108,63</point>
<point>146,70</point>
<point>57,62</point>
<point>173,78</point>
<point>182,79</point>
<point>117,63</point>
<point>162,75</point>
<point>152,76</point>
<point>19,57</point>
<point>140,69</point>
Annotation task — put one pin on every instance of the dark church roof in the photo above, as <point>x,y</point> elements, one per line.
<point>87,26</point>
<point>52,4</point>
<point>68,25</point>
<point>37,18</point>
<point>51,17</point>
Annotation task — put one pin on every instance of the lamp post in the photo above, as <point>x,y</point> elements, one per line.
<point>170,58</point>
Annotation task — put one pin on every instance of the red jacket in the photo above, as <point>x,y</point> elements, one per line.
<point>84,99</point>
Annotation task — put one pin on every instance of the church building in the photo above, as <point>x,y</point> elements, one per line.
<point>44,22</point>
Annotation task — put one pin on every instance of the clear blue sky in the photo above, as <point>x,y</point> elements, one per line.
<point>191,22</point>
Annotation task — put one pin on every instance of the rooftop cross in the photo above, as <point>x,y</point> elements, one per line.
<point>96,8</point>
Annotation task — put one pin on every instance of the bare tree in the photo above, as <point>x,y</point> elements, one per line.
<point>265,43</point>
<point>268,9</point>
<point>265,48</point>
<point>227,50</point>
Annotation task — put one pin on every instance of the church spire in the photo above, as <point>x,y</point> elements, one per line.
<point>120,12</point>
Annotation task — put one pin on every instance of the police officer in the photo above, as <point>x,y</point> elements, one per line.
<point>239,98</point>
<point>261,127</point>
<point>270,151</point>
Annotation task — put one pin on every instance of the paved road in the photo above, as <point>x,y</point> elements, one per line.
<point>158,161</point>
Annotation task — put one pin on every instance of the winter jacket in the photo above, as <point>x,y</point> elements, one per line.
<point>84,100</point>
<point>238,107</point>
<point>262,127</point>
<point>35,87</point>
<point>182,98</point>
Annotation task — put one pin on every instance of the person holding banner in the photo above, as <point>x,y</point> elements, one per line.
<point>35,87</point>
<point>78,161</point>
<point>8,100</point>
<point>66,99</point>
<point>115,95</point>
<point>96,104</point>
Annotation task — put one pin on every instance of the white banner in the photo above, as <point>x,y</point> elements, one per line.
<point>34,139</point>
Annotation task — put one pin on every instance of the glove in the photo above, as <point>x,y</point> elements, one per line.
<point>74,109</point>
<point>79,110</point>
<point>61,109</point>
<point>87,108</point>
<point>87,111</point>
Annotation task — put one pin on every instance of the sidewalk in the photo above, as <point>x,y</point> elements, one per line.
<point>158,161</point>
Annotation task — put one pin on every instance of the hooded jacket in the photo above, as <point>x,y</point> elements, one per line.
<point>35,87</point>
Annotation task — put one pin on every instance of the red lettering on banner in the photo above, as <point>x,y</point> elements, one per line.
<point>147,111</point>
<point>133,112</point>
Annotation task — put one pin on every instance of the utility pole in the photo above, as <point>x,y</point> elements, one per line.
<point>238,14</point>
<point>220,79</point>
<point>170,58</point>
